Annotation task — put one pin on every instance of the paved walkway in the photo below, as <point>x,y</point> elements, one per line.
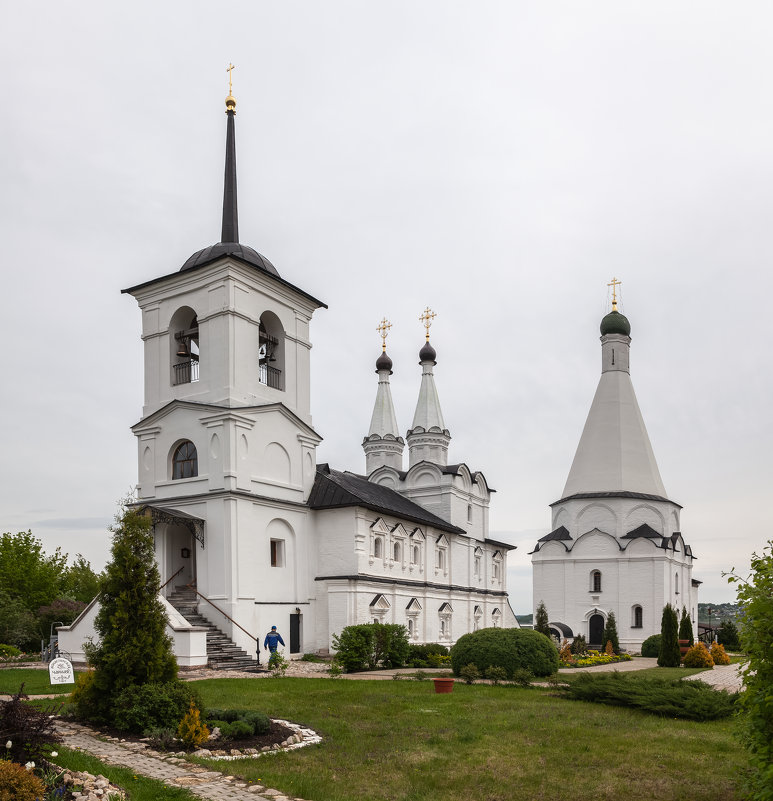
<point>175,772</point>
<point>722,677</point>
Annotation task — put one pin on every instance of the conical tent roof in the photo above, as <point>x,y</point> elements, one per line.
<point>614,454</point>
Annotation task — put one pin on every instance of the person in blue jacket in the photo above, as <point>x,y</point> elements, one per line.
<point>273,640</point>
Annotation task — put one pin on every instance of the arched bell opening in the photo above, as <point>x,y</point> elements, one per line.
<point>271,351</point>
<point>184,343</point>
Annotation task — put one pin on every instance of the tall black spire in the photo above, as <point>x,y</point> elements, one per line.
<point>230,232</point>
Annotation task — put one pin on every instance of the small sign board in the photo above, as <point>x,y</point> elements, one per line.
<point>60,671</point>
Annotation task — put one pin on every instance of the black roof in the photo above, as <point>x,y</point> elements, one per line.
<point>614,494</point>
<point>335,489</point>
<point>244,252</point>
<point>643,530</point>
<point>561,533</point>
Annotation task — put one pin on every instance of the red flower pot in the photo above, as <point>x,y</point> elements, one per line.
<point>443,685</point>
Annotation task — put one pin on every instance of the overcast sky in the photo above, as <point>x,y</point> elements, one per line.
<point>498,161</point>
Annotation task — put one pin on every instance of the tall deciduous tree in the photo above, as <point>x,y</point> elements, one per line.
<point>541,620</point>
<point>685,628</point>
<point>669,655</point>
<point>134,648</point>
<point>610,634</point>
<point>755,594</point>
<point>27,573</point>
<point>80,582</point>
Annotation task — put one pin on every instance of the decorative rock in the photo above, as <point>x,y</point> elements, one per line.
<point>235,752</point>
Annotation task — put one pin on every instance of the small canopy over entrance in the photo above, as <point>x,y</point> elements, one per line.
<point>561,631</point>
<point>162,514</point>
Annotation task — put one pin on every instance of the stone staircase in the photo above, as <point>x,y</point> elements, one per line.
<point>222,654</point>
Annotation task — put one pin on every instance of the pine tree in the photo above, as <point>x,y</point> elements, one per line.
<point>610,634</point>
<point>685,628</point>
<point>541,620</point>
<point>669,655</point>
<point>727,635</point>
<point>134,648</point>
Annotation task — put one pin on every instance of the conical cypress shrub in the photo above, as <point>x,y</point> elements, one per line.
<point>134,648</point>
<point>669,655</point>
<point>610,634</point>
<point>541,620</point>
<point>685,628</point>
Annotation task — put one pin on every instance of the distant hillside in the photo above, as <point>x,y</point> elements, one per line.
<point>719,612</point>
<point>524,619</point>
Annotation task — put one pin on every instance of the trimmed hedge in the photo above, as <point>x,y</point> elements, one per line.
<point>511,649</point>
<point>651,646</point>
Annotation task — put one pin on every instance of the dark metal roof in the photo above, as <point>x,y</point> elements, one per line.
<point>334,489</point>
<point>621,494</point>
<point>563,628</point>
<point>643,530</point>
<point>561,533</point>
<point>235,249</point>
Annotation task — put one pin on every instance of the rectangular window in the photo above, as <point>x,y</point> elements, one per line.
<point>277,553</point>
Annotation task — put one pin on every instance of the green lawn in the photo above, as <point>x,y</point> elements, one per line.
<point>35,682</point>
<point>139,787</point>
<point>399,741</point>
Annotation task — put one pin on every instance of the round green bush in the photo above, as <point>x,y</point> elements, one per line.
<point>157,705</point>
<point>240,730</point>
<point>651,646</point>
<point>258,721</point>
<point>511,649</point>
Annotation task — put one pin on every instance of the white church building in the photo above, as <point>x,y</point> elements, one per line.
<point>250,531</point>
<point>615,543</point>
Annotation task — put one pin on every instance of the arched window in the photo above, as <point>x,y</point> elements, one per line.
<point>271,351</point>
<point>415,555</point>
<point>638,617</point>
<point>378,548</point>
<point>596,581</point>
<point>411,627</point>
<point>676,583</point>
<point>185,461</point>
<point>396,552</point>
<point>440,559</point>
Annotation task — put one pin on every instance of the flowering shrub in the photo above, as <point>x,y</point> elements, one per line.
<point>594,658</point>
<point>29,731</point>
<point>718,654</point>
<point>698,657</point>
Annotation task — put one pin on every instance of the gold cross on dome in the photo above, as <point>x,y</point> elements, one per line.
<point>426,319</point>
<point>383,331</point>
<point>229,69</point>
<point>614,283</point>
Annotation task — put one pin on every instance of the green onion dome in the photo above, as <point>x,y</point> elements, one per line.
<point>615,323</point>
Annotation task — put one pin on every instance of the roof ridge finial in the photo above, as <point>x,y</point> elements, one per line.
<point>426,319</point>
<point>230,101</point>
<point>614,283</point>
<point>383,330</point>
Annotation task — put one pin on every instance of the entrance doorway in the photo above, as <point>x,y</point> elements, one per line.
<point>295,634</point>
<point>595,630</point>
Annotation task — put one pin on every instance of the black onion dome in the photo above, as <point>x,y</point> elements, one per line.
<point>383,363</point>
<point>615,323</point>
<point>427,353</point>
<point>239,251</point>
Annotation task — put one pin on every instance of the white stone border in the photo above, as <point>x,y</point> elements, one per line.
<point>302,737</point>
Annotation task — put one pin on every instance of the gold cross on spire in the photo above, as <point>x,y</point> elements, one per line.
<point>426,319</point>
<point>614,283</point>
<point>383,331</point>
<point>230,101</point>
